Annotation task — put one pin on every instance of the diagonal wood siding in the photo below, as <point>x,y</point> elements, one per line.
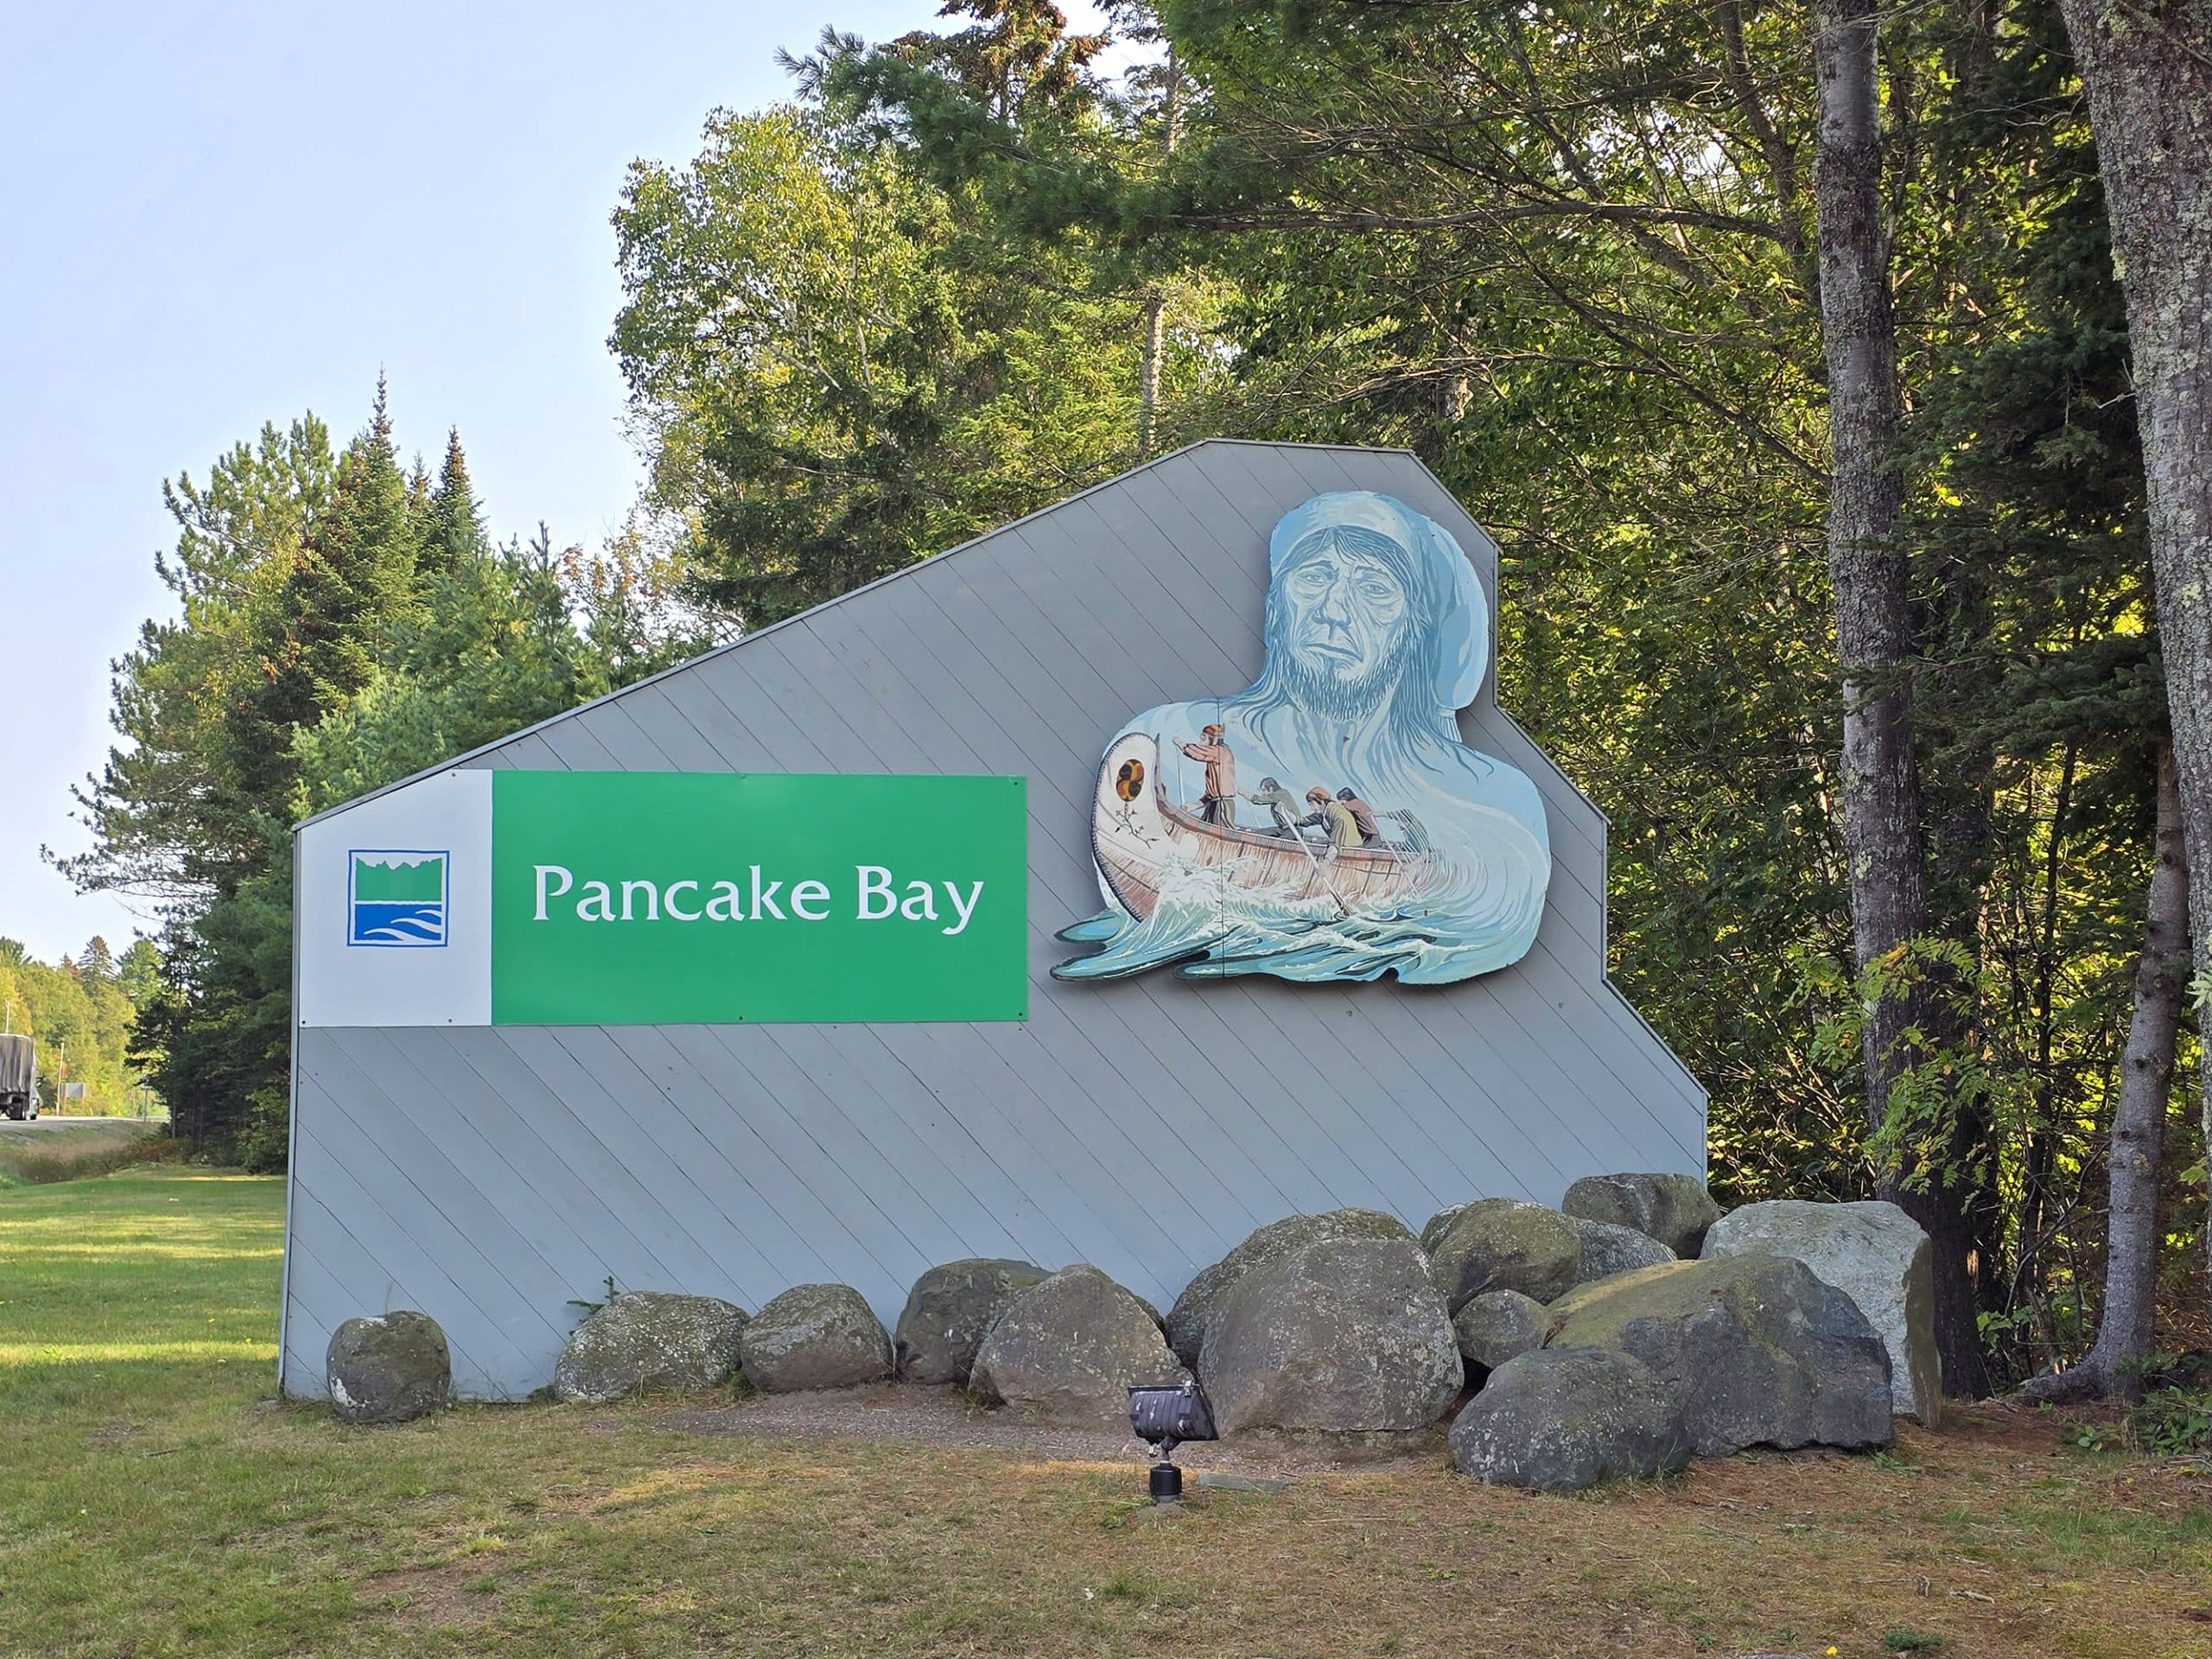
<point>494,1177</point>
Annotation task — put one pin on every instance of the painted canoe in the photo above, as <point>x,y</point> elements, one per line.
<point>1142,840</point>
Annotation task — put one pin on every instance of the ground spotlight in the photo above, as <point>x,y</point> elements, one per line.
<point>1167,1415</point>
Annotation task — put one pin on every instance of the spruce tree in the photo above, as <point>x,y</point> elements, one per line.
<point>453,529</point>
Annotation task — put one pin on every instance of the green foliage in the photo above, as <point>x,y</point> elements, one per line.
<point>342,625</point>
<point>1566,259</point>
<point>840,366</point>
<point>79,1013</point>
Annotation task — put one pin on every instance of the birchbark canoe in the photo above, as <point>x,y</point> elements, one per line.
<point>1141,838</point>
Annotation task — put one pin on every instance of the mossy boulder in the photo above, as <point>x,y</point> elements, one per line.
<point>951,1310</point>
<point>1756,1350</point>
<point>1876,1255</point>
<point>1434,1229</point>
<point>1071,1347</point>
<point>1339,1335</point>
<point>1559,1420</point>
<point>1504,1244</point>
<point>1672,1208</point>
<point>388,1368</point>
<point>1187,1321</point>
<point>814,1337</point>
<point>650,1341</point>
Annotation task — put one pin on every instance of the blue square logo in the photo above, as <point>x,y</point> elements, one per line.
<point>398,899</point>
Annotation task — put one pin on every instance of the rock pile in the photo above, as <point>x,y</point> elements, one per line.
<point>1612,1339</point>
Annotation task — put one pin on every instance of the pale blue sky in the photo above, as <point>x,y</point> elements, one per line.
<point>215,216</point>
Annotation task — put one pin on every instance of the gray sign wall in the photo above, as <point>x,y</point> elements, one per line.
<point>494,1177</point>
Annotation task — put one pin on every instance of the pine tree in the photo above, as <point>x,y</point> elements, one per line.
<point>353,580</point>
<point>453,530</point>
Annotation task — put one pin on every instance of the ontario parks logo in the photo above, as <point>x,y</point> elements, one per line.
<point>398,899</point>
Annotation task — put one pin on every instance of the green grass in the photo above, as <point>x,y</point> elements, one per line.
<point>155,1501</point>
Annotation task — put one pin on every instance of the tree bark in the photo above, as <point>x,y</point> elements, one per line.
<point>1866,569</point>
<point>2138,1123</point>
<point>1155,304</point>
<point>2147,69</point>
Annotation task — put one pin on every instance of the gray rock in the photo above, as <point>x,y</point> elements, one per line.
<point>1876,1255</point>
<point>1187,1320</point>
<point>1757,1350</point>
<point>949,1313</point>
<point>389,1368</point>
<point>1071,1347</point>
<point>1341,1336</point>
<point>1498,1325</point>
<point>1504,1244</point>
<point>1607,1249</point>
<point>649,1340</point>
<point>1674,1209</point>
<point>814,1337</point>
<point>1435,1228</point>
<point>1559,1420</point>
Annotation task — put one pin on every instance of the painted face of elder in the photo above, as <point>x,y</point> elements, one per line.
<point>1346,614</point>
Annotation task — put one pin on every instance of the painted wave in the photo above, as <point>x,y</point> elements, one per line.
<point>399,924</point>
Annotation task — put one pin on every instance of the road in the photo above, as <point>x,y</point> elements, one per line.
<point>50,1124</point>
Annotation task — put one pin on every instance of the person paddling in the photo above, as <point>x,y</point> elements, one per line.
<point>1333,816</point>
<point>1281,803</point>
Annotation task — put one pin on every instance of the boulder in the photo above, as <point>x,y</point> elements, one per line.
<point>1341,1335</point>
<point>1499,1325</point>
<point>1674,1209</point>
<point>1757,1350</point>
<point>1504,1244</point>
<point>1559,1420</point>
<point>648,1339</point>
<point>814,1337</point>
<point>1071,1347</point>
<point>949,1313</point>
<point>388,1368</point>
<point>1608,1249</point>
<point>1433,1228</point>
<point>1187,1320</point>
<point>1876,1255</point>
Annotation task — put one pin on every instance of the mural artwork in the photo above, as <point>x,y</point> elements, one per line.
<point>1327,822</point>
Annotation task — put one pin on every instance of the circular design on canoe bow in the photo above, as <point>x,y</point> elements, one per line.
<point>1128,782</point>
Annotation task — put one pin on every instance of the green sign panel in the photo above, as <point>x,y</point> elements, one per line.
<point>712,898</point>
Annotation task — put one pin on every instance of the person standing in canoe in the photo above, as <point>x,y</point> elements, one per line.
<point>1219,804</point>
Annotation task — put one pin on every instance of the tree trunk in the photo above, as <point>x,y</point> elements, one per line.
<point>2139,1122</point>
<point>1155,304</point>
<point>2147,69</point>
<point>1866,567</point>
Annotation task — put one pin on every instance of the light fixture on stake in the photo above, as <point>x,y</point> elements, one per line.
<point>1167,1414</point>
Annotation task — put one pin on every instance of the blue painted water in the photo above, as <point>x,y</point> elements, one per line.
<point>412,923</point>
